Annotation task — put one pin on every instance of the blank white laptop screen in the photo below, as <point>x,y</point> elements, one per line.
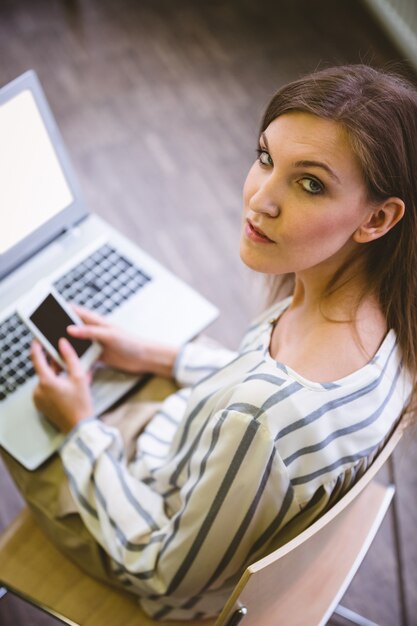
<point>33,188</point>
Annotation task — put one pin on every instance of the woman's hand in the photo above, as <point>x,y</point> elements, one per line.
<point>122,350</point>
<point>65,399</point>
<point>119,349</point>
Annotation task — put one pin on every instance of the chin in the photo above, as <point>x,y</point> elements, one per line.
<point>253,261</point>
<point>258,263</point>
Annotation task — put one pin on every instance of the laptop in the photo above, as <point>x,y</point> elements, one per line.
<point>48,234</point>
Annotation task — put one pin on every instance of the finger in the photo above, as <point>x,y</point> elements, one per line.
<point>89,317</point>
<point>95,333</point>
<point>40,363</point>
<point>55,367</point>
<point>89,375</point>
<point>70,358</point>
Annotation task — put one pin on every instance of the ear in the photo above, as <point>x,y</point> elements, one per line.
<point>383,217</point>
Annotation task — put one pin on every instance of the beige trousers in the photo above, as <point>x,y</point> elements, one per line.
<point>46,489</point>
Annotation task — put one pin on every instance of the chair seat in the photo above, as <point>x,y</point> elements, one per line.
<point>36,571</point>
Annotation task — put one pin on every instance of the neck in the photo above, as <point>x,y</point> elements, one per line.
<point>326,336</point>
<point>311,295</point>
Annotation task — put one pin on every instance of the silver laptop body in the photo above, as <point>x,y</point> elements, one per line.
<point>49,234</point>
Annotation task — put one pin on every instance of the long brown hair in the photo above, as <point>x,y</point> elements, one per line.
<point>378,110</point>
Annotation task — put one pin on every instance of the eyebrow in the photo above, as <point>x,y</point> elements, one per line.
<point>323,166</point>
<point>308,163</point>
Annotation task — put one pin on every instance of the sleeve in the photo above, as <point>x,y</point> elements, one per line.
<point>231,472</point>
<point>199,359</point>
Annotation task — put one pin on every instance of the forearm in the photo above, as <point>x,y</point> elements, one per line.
<point>120,512</point>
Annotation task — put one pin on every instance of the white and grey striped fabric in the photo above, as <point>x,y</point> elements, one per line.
<point>226,466</point>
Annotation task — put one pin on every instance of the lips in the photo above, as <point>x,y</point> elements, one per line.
<point>256,233</point>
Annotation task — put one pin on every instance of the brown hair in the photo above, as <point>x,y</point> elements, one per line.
<point>378,110</point>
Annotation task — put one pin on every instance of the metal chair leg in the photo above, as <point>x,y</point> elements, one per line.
<point>353,617</point>
<point>237,616</point>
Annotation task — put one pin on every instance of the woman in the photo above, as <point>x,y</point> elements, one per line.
<point>269,437</point>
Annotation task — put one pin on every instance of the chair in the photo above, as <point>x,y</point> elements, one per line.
<point>299,584</point>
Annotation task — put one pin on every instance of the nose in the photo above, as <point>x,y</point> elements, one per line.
<point>265,199</point>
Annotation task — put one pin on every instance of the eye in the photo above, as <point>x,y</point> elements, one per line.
<point>311,185</point>
<point>264,157</point>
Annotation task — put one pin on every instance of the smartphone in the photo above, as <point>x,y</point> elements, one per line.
<point>47,316</point>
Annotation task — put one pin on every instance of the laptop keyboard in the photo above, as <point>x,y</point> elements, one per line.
<point>101,282</point>
<point>15,364</point>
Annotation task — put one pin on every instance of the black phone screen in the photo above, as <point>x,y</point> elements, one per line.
<point>52,321</point>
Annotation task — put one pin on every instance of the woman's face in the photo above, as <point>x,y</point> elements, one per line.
<point>304,197</point>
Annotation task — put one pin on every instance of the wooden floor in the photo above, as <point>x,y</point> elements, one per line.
<point>159,103</point>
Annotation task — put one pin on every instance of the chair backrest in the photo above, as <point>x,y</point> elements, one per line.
<point>301,583</point>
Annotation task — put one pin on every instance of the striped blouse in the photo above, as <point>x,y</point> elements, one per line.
<point>243,457</point>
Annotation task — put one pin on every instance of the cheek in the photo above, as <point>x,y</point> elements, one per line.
<point>326,229</point>
<point>318,230</point>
